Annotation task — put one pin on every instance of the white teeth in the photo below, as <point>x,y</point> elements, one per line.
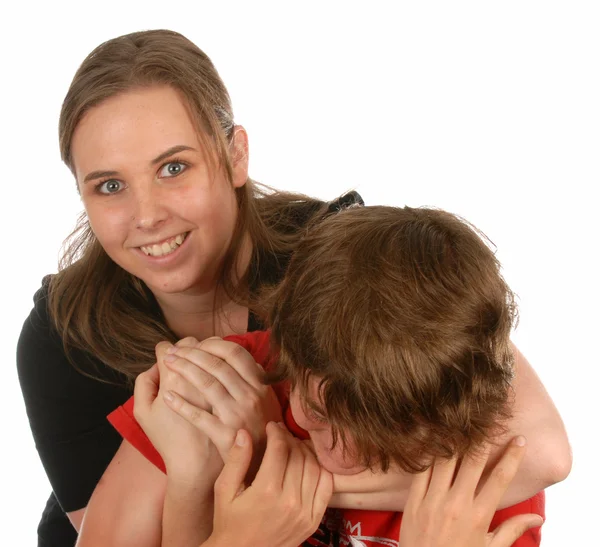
<point>165,247</point>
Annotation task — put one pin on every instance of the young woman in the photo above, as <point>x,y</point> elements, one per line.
<point>175,241</point>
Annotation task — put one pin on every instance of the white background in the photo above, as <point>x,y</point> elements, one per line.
<point>489,110</point>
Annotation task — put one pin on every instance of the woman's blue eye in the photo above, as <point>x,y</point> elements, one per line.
<point>172,169</point>
<point>109,187</point>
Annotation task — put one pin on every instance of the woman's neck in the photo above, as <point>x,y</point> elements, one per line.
<point>206,313</point>
<point>201,316</point>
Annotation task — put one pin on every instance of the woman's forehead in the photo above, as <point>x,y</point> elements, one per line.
<point>137,125</point>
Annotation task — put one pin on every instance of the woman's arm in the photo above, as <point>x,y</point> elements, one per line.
<point>548,459</point>
<point>127,505</point>
<point>67,415</point>
<point>148,507</point>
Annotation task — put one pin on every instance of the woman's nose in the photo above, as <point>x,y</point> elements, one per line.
<point>150,211</point>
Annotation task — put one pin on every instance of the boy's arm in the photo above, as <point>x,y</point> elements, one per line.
<point>191,460</point>
<point>187,512</point>
<point>548,458</point>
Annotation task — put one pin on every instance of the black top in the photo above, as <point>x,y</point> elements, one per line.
<point>67,410</point>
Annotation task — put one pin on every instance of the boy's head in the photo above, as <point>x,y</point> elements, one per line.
<point>393,325</point>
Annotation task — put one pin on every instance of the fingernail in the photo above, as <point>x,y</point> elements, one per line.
<point>282,425</point>
<point>168,396</point>
<point>171,349</point>
<point>170,358</point>
<point>540,521</point>
<point>240,438</point>
<point>520,440</point>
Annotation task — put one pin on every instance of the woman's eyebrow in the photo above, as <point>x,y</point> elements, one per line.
<point>161,157</point>
<point>99,175</point>
<point>173,150</point>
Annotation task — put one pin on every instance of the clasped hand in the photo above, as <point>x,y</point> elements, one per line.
<point>195,399</point>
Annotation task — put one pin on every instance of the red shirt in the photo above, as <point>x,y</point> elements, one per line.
<point>346,526</point>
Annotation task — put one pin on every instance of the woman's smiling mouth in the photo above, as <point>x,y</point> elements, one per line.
<point>165,247</point>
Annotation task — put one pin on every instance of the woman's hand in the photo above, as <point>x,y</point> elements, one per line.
<point>286,501</point>
<point>227,377</point>
<point>447,507</point>
<point>187,452</point>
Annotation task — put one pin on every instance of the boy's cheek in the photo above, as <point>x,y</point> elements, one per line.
<point>333,460</point>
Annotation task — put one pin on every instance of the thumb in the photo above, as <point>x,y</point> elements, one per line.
<point>511,530</point>
<point>231,480</point>
<point>146,388</point>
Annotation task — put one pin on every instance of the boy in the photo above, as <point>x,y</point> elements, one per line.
<point>392,328</point>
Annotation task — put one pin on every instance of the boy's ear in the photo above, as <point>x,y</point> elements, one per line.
<point>239,156</point>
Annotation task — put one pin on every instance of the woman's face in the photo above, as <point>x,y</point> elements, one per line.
<point>153,201</point>
<point>334,460</point>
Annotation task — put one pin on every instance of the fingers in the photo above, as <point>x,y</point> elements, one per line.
<point>322,495</point>
<point>317,484</point>
<point>470,471</point>
<point>511,530</point>
<point>237,356</point>
<point>231,480</point>
<point>189,342</point>
<point>442,475</point>
<point>274,464</point>
<point>304,483</point>
<point>161,351</point>
<point>146,388</point>
<point>419,487</point>
<point>502,474</point>
<point>230,363</point>
<point>210,425</point>
<point>293,477</point>
<point>215,388</point>
<point>310,473</point>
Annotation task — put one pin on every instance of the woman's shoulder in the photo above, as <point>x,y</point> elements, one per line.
<point>42,360</point>
<point>37,326</point>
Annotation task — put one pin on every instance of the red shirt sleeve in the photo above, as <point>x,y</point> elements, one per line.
<point>537,504</point>
<point>124,422</point>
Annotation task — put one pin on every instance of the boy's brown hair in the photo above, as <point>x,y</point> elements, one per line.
<point>404,317</point>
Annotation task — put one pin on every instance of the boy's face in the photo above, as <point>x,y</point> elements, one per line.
<point>321,436</point>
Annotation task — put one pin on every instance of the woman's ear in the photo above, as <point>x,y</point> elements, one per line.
<point>239,156</point>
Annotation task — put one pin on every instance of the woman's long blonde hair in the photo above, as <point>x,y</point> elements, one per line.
<point>97,306</point>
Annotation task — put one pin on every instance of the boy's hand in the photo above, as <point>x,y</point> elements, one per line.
<point>228,378</point>
<point>186,451</point>
<point>285,503</point>
<point>450,508</point>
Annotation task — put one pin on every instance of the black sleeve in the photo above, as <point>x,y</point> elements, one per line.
<point>66,409</point>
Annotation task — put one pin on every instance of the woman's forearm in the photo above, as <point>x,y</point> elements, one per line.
<point>548,457</point>
<point>370,490</point>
